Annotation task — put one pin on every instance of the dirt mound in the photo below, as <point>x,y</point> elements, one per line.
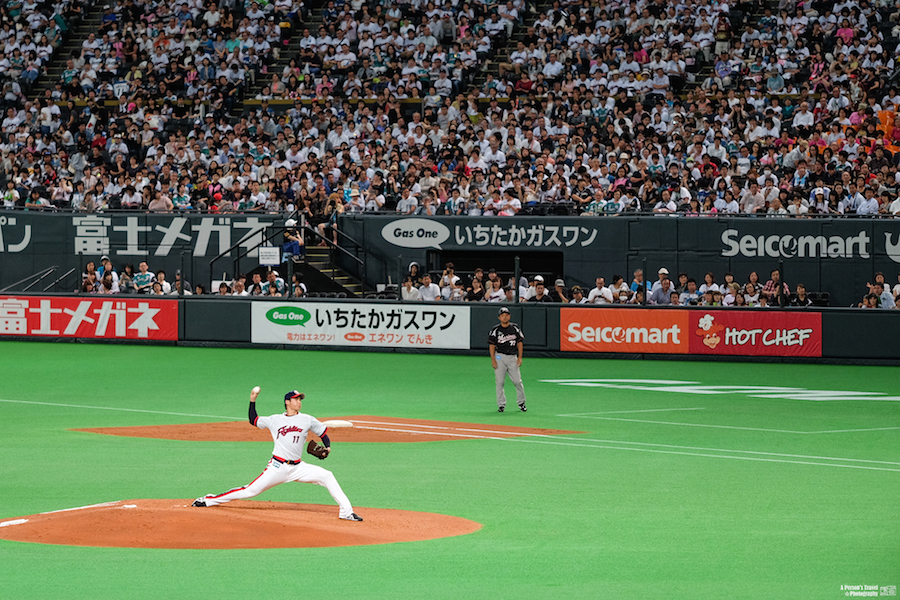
<point>238,524</point>
<point>365,429</point>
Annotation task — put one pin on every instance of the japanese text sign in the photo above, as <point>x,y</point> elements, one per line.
<point>379,325</point>
<point>110,317</point>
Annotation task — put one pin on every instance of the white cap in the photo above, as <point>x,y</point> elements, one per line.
<point>290,223</point>
<point>820,192</point>
<point>538,278</point>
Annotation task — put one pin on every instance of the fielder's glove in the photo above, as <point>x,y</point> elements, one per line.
<point>317,450</point>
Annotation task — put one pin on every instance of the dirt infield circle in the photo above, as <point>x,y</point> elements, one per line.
<point>365,428</point>
<point>242,524</point>
<point>174,524</point>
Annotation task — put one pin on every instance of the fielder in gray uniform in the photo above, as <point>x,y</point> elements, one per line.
<point>505,344</point>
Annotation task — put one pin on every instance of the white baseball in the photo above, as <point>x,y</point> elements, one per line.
<point>255,390</point>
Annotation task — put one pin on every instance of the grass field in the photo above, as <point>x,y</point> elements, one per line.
<point>674,493</point>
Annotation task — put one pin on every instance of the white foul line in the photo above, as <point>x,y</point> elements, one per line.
<point>528,437</point>
<point>81,507</point>
<point>618,412</point>
<point>595,443</point>
<point>481,437</point>
<point>13,522</point>
<point>138,410</point>
<point>591,416</point>
<point>691,424</point>
<point>752,458</point>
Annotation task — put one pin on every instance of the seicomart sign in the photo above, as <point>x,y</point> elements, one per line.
<point>749,332</point>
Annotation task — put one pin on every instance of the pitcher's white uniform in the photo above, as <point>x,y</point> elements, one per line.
<point>286,464</point>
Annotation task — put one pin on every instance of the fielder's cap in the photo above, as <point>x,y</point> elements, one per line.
<point>538,278</point>
<point>820,192</point>
<point>274,272</point>
<point>104,257</point>
<point>559,282</point>
<point>577,290</point>
<point>293,394</point>
<point>290,223</point>
<point>663,271</point>
<point>502,310</point>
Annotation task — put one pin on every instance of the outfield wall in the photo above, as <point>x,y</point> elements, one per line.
<point>834,255</point>
<point>550,329</point>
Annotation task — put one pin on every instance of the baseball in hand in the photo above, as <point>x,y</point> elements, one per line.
<point>255,390</point>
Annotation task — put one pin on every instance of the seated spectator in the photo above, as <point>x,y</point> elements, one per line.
<point>600,294</point>
<point>429,292</point>
<point>691,295</point>
<point>662,295</point>
<point>476,293</point>
<point>578,296</point>
<point>143,280</point>
<point>801,298</point>
<point>540,293</point>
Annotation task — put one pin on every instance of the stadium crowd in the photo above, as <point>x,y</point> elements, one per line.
<point>105,279</point>
<point>682,290</point>
<point>603,108</point>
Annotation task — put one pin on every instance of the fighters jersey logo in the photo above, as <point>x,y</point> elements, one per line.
<point>286,430</point>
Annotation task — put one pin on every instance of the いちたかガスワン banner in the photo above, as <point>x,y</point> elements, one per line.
<point>423,326</point>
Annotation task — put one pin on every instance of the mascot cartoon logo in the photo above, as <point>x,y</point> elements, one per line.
<point>709,331</point>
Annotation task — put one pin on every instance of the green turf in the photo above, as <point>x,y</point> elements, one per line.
<point>629,509</point>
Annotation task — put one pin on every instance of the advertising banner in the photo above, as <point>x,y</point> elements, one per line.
<point>422,326</point>
<point>623,330</point>
<point>108,317</point>
<point>755,332</point>
<point>748,332</point>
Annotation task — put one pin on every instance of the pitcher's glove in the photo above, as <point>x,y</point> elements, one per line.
<point>317,450</point>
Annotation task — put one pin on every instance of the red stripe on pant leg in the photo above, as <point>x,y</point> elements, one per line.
<point>238,488</point>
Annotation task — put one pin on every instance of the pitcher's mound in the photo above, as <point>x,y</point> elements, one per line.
<point>365,428</point>
<point>238,524</point>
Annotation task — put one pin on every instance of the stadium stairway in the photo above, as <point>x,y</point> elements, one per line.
<point>318,259</point>
<point>289,51</point>
<point>90,23</point>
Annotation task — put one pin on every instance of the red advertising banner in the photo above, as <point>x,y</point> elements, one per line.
<point>106,317</point>
<point>623,330</point>
<point>755,332</point>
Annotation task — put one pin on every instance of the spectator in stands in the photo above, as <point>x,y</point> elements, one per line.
<point>540,293</point>
<point>274,281</point>
<point>164,285</point>
<point>801,298</point>
<point>429,292</point>
<point>143,280</point>
<point>885,298</point>
<point>663,294</point>
<point>691,295</point>
<point>600,294</point>
<point>578,295</point>
<point>776,292</point>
